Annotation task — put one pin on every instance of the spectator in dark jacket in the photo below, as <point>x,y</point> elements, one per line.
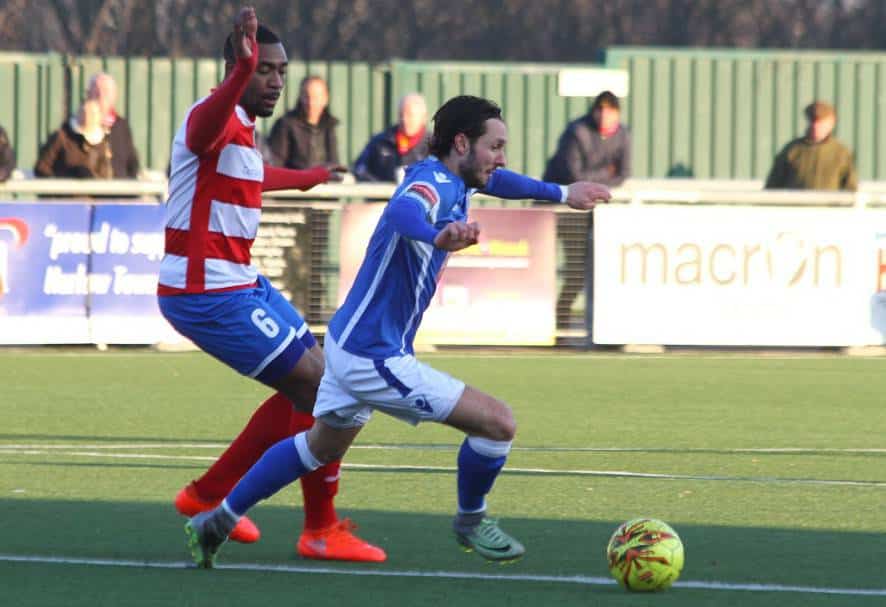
<point>595,147</point>
<point>124,158</point>
<point>305,136</point>
<point>7,156</point>
<point>397,146</point>
<point>79,149</point>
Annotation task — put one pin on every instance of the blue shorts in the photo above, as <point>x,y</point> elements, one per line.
<point>256,331</point>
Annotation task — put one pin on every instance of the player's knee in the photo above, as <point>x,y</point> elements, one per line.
<point>504,425</point>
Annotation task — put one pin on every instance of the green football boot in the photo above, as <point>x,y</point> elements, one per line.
<point>489,541</point>
<point>205,538</point>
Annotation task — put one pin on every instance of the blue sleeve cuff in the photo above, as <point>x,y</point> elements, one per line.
<point>508,184</point>
<point>408,218</point>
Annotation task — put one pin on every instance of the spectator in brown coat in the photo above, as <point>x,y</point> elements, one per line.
<point>79,149</point>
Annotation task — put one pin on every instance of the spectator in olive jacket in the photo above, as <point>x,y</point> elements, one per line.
<point>816,161</point>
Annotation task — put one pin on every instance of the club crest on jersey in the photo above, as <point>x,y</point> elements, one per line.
<point>424,192</point>
<point>441,177</point>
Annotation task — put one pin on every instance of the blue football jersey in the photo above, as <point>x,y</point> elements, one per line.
<point>398,277</point>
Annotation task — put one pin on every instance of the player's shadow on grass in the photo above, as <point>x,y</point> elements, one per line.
<point>416,541</point>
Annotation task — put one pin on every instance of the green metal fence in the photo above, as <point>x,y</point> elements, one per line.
<point>726,113</point>
<point>32,100</point>
<point>693,112</point>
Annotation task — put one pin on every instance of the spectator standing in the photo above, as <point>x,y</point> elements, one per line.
<point>400,145</point>
<point>7,156</point>
<point>817,160</point>
<point>305,137</point>
<point>595,147</point>
<point>79,149</point>
<point>124,158</point>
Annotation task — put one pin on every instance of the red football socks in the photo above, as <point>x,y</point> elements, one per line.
<point>320,486</point>
<point>267,426</point>
<point>274,420</point>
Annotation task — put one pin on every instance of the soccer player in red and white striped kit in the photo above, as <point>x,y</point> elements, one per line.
<point>209,291</point>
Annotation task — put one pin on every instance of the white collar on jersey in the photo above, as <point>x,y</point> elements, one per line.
<point>243,116</point>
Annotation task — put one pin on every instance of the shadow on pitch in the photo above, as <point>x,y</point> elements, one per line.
<point>416,541</point>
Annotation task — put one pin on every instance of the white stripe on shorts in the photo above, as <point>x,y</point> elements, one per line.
<point>270,357</point>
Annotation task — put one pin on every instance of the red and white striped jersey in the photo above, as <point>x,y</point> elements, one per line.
<point>213,210</point>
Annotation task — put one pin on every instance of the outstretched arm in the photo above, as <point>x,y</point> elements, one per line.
<point>581,195</point>
<point>508,184</point>
<point>207,121</point>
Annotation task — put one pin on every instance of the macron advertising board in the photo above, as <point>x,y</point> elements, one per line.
<point>680,275</point>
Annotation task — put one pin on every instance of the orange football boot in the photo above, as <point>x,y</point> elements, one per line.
<point>188,503</point>
<point>338,543</point>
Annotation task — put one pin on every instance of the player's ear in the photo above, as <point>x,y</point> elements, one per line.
<point>461,143</point>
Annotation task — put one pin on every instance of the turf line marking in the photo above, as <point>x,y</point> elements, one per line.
<point>455,575</point>
<point>508,470</point>
<point>455,447</point>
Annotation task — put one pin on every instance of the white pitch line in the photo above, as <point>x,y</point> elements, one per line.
<point>453,575</point>
<point>508,470</point>
<point>453,447</point>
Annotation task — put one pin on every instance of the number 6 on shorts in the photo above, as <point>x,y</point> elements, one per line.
<point>265,324</point>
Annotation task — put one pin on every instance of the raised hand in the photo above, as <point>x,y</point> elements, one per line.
<point>584,195</point>
<point>457,236</point>
<point>245,28</point>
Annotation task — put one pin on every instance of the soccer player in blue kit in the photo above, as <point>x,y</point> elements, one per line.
<point>370,362</point>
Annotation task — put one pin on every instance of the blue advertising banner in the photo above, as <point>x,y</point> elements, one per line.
<point>44,261</point>
<point>80,273</point>
<point>127,246</point>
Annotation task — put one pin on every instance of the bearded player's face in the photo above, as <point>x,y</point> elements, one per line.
<point>267,82</point>
<point>485,155</point>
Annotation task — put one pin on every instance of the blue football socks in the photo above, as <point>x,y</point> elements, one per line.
<point>279,466</point>
<point>479,462</point>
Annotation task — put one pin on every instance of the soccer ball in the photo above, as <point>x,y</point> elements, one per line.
<point>645,555</point>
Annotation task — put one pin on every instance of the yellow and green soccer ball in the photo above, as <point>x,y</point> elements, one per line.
<point>645,555</point>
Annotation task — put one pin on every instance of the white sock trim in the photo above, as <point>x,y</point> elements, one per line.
<point>304,452</point>
<point>489,448</point>
<point>227,508</point>
<point>478,510</point>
